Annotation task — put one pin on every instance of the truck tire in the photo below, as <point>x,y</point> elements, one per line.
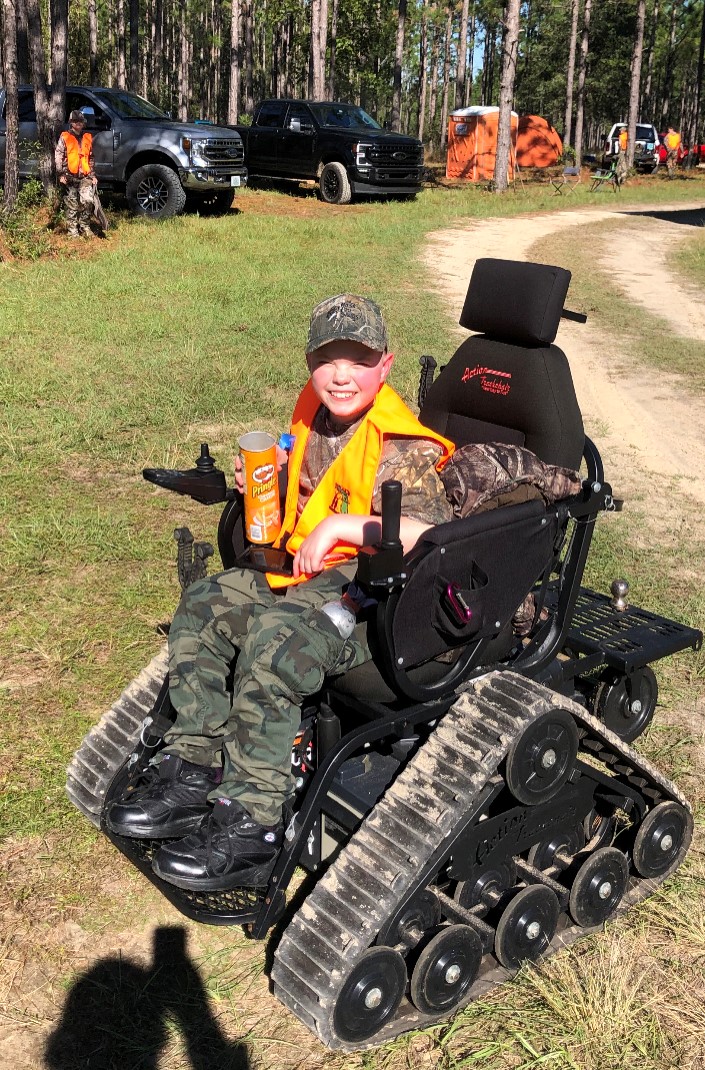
<point>212,203</point>
<point>335,184</point>
<point>154,191</point>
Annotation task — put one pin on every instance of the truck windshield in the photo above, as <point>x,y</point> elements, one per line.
<point>344,116</point>
<point>130,106</point>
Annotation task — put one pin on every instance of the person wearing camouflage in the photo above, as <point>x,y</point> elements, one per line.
<point>246,649</point>
<point>73,159</point>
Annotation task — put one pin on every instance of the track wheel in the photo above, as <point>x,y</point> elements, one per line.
<point>567,842</point>
<point>599,886</point>
<point>409,924</point>
<point>626,716</point>
<point>527,926</point>
<point>446,970</point>
<point>371,994</point>
<point>488,887</point>
<point>542,758</point>
<point>662,834</point>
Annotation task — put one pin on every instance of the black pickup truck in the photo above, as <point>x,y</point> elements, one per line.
<point>339,145</point>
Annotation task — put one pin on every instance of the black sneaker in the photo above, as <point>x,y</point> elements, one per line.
<point>229,850</point>
<point>169,800</point>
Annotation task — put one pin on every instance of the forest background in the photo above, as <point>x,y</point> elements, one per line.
<point>408,62</point>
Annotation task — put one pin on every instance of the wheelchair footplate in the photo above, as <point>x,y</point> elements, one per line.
<point>624,639</point>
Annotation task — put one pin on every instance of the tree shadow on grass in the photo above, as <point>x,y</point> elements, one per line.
<point>117,1015</point>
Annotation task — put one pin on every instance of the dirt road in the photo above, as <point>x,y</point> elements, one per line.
<point>639,418</point>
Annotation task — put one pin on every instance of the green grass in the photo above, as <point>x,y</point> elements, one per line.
<point>689,259</point>
<point>168,336</point>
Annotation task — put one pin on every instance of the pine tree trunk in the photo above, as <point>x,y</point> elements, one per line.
<point>121,46</point>
<point>510,49</point>
<point>333,40</point>
<point>59,13</point>
<point>423,76</point>
<point>462,66</point>
<point>134,46</point>
<point>670,59</point>
<point>634,81</point>
<point>582,72</point>
<point>568,121</point>
<point>398,63</point>
<point>234,81</point>
<point>93,41</point>
<point>434,92</point>
<point>648,84</point>
<point>12,122</point>
<point>469,74</point>
<point>45,129</point>
<point>697,135</point>
<point>183,67</point>
<point>249,57</point>
<point>446,79</point>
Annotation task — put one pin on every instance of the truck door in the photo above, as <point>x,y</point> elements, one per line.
<point>264,137</point>
<point>297,152</point>
<point>98,123</point>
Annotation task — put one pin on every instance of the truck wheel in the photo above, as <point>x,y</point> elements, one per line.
<point>154,191</point>
<point>212,203</point>
<point>335,184</point>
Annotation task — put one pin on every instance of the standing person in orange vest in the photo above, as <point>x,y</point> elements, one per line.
<point>74,166</point>
<point>672,142</point>
<point>224,775</point>
<point>622,168</point>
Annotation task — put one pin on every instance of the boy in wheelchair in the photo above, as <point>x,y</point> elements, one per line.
<point>217,790</point>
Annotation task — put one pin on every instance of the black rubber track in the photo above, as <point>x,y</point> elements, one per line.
<point>107,745</point>
<point>360,891</point>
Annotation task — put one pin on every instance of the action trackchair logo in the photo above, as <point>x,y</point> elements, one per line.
<point>499,384</point>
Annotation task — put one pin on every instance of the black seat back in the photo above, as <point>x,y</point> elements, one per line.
<point>509,383</point>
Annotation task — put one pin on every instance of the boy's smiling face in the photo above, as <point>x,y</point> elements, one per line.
<point>346,376</point>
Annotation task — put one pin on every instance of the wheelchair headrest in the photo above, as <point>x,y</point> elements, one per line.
<point>515,302</point>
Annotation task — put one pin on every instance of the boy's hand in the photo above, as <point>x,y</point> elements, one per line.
<point>311,555</point>
<point>282,459</point>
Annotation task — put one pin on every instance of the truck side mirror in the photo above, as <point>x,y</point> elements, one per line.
<point>295,125</point>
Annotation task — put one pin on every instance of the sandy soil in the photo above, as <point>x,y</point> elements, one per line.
<point>656,427</point>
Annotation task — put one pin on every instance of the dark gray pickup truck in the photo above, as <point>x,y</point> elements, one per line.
<point>161,165</point>
<point>339,145</point>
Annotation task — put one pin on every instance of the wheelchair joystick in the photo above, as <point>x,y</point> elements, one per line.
<point>205,483</point>
<point>382,565</point>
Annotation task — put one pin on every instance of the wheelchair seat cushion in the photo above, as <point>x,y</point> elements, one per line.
<point>483,476</point>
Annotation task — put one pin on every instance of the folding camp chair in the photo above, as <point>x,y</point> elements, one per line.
<point>605,175</point>
<point>569,178</point>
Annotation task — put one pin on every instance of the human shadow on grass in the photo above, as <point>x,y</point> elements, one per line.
<point>118,1015</point>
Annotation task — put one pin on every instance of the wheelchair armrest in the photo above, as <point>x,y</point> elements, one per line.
<point>205,483</point>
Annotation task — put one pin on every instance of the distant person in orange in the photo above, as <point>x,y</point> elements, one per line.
<point>672,141</point>
<point>74,166</point>
<point>622,168</point>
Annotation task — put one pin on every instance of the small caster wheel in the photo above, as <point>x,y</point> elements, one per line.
<point>371,994</point>
<point>488,887</point>
<point>446,970</point>
<point>568,842</point>
<point>664,833</point>
<point>542,758</point>
<point>599,886</point>
<point>626,717</point>
<point>408,924</point>
<point>527,926</point>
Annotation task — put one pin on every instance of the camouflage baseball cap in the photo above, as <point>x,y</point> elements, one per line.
<point>77,117</point>
<point>349,318</point>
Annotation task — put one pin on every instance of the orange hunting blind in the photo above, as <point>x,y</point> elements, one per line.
<point>472,143</point>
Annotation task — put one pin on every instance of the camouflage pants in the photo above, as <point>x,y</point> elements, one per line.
<point>276,650</point>
<point>621,169</point>
<point>671,161</point>
<point>78,206</point>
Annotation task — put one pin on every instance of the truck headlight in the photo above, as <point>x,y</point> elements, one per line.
<point>198,153</point>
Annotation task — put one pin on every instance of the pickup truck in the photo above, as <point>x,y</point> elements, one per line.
<point>339,145</point>
<point>646,154</point>
<point>160,165</point>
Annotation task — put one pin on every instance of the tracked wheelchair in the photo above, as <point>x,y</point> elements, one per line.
<point>467,800</point>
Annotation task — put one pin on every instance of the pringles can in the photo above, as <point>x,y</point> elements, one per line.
<point>258,451</point>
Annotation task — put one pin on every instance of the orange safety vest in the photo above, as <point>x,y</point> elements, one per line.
<point>78,156</point>
<point>673,141</point>
<point>623,139</point>
<point>347,486</point>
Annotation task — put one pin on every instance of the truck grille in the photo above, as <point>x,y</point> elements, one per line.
<point>223,152</point>
<point>392,154</point>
